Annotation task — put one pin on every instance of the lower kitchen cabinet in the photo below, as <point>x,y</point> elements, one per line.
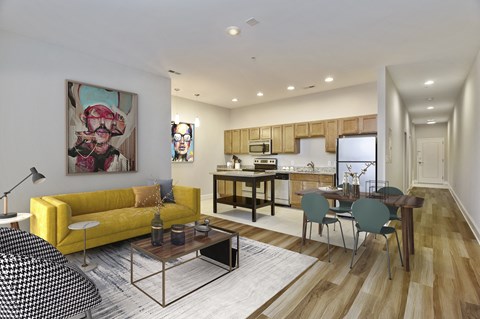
<point>300,182</point>
<point>225,188</point>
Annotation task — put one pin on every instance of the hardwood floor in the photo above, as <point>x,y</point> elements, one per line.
<point>444,281</point>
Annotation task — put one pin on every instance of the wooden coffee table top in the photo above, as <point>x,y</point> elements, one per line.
<point>194,241</point>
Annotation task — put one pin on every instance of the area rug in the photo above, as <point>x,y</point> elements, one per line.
<point>264,271</point>
<point>286,220</point>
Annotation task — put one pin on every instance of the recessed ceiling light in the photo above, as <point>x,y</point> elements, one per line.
<point>233,30</point>
<point>234,99</point>
<point>290,88</point>
<point>260,94</point>
<point>429,82</point>
<point>431,122</point>
<point>430,107</point>
<point>328,79</point>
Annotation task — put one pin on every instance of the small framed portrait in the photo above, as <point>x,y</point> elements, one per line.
<point>183,139</point>
<point>101,129</point>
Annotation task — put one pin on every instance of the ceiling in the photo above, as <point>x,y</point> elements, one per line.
<point>295,43</point>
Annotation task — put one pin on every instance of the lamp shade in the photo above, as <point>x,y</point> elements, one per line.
<point>37,178</point>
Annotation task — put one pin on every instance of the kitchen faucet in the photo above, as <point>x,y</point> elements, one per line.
<point>311,165</point>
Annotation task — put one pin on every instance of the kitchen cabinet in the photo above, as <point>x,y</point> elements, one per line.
<point>300,182</point>
<point>277,139</point>
<point>225,188</point>
<point>254,133</point>
<point>368,124</point>
<point>265,133</point>
<point>227,142</point>
<point>331,134</point>
<point>235,141</point>
<point>348,126</point>
<point>301,130</point>
<point>317,128</point>
<point>290,143</point>
<point>244,141</point>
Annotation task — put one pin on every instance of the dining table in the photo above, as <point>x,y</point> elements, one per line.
<point>407,204</point>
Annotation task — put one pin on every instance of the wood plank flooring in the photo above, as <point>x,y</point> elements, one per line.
<point>444,281</point>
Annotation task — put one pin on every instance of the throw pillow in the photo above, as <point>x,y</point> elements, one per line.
<point>146,196</point>
<point>166,190</point>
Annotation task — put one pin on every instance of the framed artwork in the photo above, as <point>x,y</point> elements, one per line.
<point>101,129</point>
<point>182,142</point>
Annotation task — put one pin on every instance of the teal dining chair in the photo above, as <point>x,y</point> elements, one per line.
<point>315,208</point>
<point>344,210</point>
<point>393,191</point>
<point>371,215</point>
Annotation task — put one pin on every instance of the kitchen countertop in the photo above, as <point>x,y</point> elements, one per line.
<point>242,173</point>
<point>296,170</point>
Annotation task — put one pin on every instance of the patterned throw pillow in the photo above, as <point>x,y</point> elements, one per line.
<point>146,196</point>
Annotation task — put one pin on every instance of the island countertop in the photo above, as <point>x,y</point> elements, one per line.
<point>238,173</point>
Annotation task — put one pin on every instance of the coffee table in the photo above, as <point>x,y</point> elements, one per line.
<point>194,242</point>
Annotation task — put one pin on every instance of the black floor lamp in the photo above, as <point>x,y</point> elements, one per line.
<point>36,179</point>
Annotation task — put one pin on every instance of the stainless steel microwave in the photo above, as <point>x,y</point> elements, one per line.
<point>260,147</point>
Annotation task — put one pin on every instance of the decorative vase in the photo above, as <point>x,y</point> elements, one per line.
<point>345,184</point>
<point>177,235</point>
<point>356,185</point>
<point>157,229</point>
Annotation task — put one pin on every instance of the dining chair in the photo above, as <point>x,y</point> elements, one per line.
<point>315,208</point>
<point>371,215</point>
<point>390,190</point>
<point>344,210</point>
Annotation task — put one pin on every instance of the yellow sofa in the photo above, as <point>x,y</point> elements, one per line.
<point>114,209</point>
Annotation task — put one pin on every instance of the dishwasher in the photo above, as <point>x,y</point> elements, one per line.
<point>282,189</point>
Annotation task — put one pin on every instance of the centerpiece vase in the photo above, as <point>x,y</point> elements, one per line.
<point>157,229</point>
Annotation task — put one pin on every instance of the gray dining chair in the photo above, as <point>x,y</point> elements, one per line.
<point>315,208</point>
<point>371,215</point>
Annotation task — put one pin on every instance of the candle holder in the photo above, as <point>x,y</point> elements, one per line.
<point>177,235</point>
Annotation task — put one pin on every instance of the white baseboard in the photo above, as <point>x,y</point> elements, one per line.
<point>206,196</point>
<point>471,223</point>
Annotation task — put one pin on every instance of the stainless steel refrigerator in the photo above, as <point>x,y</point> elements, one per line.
<point>357,152</point>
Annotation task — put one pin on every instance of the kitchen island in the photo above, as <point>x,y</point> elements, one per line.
<point>247,202</point>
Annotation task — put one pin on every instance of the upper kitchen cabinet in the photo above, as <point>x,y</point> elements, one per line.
<point>235,141</point>
<point>277,139</point>
<point>368,124</point>
<point>290,143</point>
<point>331,134</point>
<point>301,130</point>
<point>227,142</point>
<point>348,126</point>
<point>317,128</point>
<point>265,132</point>
<point>254,133</point>
<point>244,141</point>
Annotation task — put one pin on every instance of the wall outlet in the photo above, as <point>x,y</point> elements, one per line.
<point>329,163</point>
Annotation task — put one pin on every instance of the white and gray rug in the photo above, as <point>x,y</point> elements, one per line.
<point>264,271</point>
<point>286,220</point>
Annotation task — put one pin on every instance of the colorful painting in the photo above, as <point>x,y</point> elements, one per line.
<point>101,129</point>
<point>182,141</point>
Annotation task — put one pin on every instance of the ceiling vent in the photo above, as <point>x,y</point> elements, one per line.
<point>252,22</point>
<point>309,87</point>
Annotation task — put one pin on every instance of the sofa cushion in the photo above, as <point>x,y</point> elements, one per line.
<point>146,196</point>
<point>90,202</point>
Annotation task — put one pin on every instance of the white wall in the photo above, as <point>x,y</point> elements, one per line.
<point>464,153</point>
<point>33,113</point>
<point>208,147</point>
<point>397,147</point>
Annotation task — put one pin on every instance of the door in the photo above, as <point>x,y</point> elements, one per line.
<point>430,160</point>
